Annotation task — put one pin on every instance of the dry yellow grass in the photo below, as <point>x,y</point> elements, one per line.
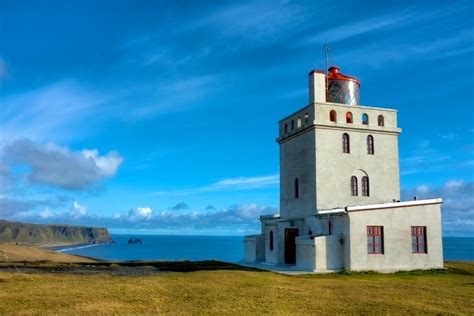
<point>240,292</point>
<point>15,253</point>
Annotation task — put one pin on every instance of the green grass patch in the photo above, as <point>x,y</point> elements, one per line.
<point>212,287</point>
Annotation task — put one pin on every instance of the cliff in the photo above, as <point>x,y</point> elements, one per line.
<point>51,234</point>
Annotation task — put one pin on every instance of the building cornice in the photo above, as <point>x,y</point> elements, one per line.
<point>269,217</point>
<point>346,127</point>
<point>374,207</point>
<point>362,128</point>
<point>346,106</point>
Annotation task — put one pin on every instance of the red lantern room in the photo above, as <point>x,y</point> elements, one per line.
<point>342,88</point>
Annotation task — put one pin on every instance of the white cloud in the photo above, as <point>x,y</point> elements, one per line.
<point>352,29</point>
<point>448,135</point>
<point>168,97</point>
<point>75,213</point>
<point>423,188</point>
<point>241,183</point>
<point>454,185</point>
<point>139,214</point>
<point>242,218</point>
<point>51,110</point>
<point>9,206</point>
<point>249,181</point>
<point>457,208</point>
<point>256,22</point>
<point>425,157</point>
<point>378,54</point>
<point>78,210</point>
<point>46,213</point>
<point>60,167</point>
<point>107,165</point>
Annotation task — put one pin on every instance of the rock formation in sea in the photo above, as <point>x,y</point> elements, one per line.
<point>134,240</point>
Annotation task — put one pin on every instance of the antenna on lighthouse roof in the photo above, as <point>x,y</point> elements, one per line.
<point>326,56</point>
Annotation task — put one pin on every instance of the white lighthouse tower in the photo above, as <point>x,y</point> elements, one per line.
<point>340,190</point>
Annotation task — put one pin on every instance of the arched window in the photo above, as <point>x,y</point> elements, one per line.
<point>365,119</point>
<point>354,188</point>
<point>346,146</point>
<point>306,118</point>
<point>333,116</point>
<point>271,240</point>
<point>381,120</point>
<point>286,128</point>
<point>297,189</point>
<point>298,122</point>
<point>365,186</point>
<point>370,145</point>
<point>348,117</point>
<point>292,125</point>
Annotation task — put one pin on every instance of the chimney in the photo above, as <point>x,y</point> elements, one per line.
<point>317,86</point>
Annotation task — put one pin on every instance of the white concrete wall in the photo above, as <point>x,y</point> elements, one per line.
<point>305,115</point>
<point>335,168</point>
<point>319,225</point>
<point>298,160</point>
<point>317,86</point>
<point>305,253</point>
<point>329,253</point>
<point>254,248</point>
<point>313,153</point>
<point>271,256</point>
<point>397,224</point>
<point>320,254</point>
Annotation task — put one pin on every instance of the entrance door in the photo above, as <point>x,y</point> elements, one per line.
<point>290,245</point>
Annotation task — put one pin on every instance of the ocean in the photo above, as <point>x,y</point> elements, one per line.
<point>224,248</point>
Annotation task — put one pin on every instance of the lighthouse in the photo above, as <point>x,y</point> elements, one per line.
<point>340,202</point>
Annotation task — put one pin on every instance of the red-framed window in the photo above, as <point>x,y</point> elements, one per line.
<point>348,117</point>
<point>418,239</point>
<point>375,239</point>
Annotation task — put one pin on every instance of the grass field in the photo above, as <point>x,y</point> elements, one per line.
<point>12,253</point>
<point>240,292</point>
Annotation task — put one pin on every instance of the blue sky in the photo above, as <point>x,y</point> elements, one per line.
<point>161,117</point>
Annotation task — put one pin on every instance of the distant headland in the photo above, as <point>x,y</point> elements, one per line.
<point>37,234</point>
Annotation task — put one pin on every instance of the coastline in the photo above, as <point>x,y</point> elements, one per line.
<point>222,248</point>
<point>60,249</point>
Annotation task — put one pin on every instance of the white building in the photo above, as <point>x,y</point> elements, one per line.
<point>340,190</point>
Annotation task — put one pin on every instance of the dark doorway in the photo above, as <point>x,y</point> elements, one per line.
<point>290,245</point>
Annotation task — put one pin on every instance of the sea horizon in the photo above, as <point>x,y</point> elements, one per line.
<point>228,248</point>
